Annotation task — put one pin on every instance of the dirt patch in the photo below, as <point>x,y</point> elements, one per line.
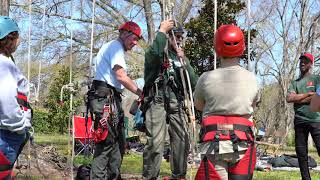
<point>44,162</point>
<point>41,162</point>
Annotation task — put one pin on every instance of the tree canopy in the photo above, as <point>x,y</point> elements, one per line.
<point>199,46</point>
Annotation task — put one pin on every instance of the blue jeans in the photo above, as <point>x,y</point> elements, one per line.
<point>11,144</point>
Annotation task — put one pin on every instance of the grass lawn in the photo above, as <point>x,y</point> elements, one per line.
<point>132,163</point>
<point>57,140</point>
<point>285,175</point>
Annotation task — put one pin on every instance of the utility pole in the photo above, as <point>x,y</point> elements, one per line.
<point>4,5</point>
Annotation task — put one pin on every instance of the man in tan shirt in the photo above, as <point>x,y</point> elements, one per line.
<point>226,97</point>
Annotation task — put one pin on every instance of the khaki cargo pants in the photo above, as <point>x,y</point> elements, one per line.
<point>156,119</point>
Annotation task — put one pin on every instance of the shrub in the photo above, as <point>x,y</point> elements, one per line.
<point>40,120</point>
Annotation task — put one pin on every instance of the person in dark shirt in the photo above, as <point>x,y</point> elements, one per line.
<point>300,93</point>
<point>164,101</point>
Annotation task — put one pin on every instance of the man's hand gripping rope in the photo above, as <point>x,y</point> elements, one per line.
<point>184,72</point>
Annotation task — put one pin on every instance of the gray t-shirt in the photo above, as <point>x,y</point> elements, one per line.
<point>227,91</point>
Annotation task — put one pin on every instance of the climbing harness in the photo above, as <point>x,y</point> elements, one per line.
<point>184,74</point>
<point>220,128</point>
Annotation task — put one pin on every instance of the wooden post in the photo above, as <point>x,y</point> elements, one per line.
<point>4,5</point>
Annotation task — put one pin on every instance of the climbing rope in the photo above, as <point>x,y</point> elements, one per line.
<point>86,142</point>
<point>70,88</point>
<point>184,74</point>
<point>215,29</point>
<point>91,41</point>
<point>249,30</point>
<point>29,41</point>
<point>29,66</point>
<point>41,52</point>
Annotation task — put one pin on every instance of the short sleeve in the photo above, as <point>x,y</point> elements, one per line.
<point>198,92</point>
<point>117,57</point>
<point>291,88</point>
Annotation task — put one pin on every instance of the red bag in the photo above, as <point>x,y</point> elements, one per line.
<point>101,133</point>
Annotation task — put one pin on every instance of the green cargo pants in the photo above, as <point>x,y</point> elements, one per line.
<point>108,154</point>
<point>156,118</point>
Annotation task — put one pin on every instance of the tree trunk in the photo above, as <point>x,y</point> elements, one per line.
<point>149,19</point>
<point>4,7</point>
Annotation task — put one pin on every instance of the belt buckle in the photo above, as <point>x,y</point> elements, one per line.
<point>226,127</point>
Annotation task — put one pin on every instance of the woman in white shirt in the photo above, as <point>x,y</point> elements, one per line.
<point>15,111</point>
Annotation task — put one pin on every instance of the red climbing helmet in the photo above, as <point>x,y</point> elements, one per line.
<point>229,41</point>
<point>132,27</point>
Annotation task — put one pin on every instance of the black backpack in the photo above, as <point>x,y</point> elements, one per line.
<point>83,172</point>
<point>290,161</point>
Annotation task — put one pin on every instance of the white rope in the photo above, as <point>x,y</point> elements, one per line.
<point>29,66</point>
<point>163,10</point>
<point>191,105</point>
<point>92,33</point>
<point>71,92</point>
<point>41,53</point>
<point>249,29</point>
<point>184,65</point>
<point>29,42</point>
<point>215,29</point>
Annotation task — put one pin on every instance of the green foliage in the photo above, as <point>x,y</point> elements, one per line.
<point>40,120</point>
<point>199,46</point>
<point>82,160</point>
<point>59,113</point>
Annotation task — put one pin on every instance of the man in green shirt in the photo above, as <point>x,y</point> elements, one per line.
<point>164,102</point>
<point>300,93</point>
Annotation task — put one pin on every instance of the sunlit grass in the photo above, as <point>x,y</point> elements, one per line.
<point>59,141</point>
<point>132,162</point>
<point>286,175</point>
